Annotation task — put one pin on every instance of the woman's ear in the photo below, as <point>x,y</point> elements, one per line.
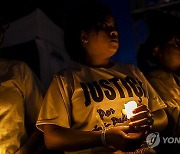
<point>84,37</point>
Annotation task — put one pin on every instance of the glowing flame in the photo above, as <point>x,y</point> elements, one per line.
<point>129,107</point>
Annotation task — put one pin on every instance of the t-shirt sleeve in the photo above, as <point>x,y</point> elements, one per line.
<point>55,107</point>
<point>33,94</point>
<point>168,93</point>
<point>154,100</point>
<point>165,90</point>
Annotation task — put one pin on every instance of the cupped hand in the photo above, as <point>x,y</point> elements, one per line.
<point>123,138</point>
<point>142,119</point>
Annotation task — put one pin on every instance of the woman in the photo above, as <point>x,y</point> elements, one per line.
<point>20,99</point>
<point>83,110</point>
<point>163,56</point>
<point>163,50</point>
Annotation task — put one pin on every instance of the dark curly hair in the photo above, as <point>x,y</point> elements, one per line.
<point>162,32</point>
<point>84,16</point>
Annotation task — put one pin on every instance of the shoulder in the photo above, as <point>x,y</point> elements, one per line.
<point>159,74</point>
<point>162,78</point>
<point>10,63</point>
<point>128,68</point>
<point>70,71</point>
<point>15,66</point>
<point>133,67</point>
<point>20,65</point>
<point>17,72</point>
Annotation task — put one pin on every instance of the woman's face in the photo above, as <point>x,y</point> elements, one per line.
<point>170,56</point>
<point>103,40</point>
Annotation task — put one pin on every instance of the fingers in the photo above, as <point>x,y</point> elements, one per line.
<point>140,108</point>
<point>142,119</point>
<point>147,116</point>
<point>144,128</point>
<point>120,139</point>
<point>125,129</point>
<point>130,133</point>
<point>140,115</point>
<point>133,136</point>
<point>141,123</point>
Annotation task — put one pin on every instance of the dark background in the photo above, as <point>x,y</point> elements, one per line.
<point>136,19</point>
<point>132,16</point>
<point>56,9</point>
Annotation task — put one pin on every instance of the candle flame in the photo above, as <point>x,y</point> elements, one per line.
<point>129,107</point>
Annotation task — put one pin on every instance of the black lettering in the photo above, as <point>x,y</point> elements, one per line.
<point>137,90</point>
<point>86,94</point>
<point>112,110</point>
<point>118,120</point>
<point>124,117</point>
<point>108,113</point>
<point>114,120</point>
<point>115,82</point>
<point>101,113</point>
<point>106,125</point>
<point>110,93</point>
<point>130,94</point>
<point>96,91</point>
<point>97,128</point>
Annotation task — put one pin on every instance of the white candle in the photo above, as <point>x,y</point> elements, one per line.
<point>129,107</point>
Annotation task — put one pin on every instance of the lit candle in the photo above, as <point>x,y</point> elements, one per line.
<point>129,107</point>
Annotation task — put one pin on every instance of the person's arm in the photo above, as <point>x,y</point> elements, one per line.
<point>34,144</point>
<point>67,139</point>
<point>33,96</point>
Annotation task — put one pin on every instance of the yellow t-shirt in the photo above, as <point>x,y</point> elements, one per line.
<point>92,98</point>
<point>20,95</point>
<point>166,85</point>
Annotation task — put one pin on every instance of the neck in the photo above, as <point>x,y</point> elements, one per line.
<point>98,63</point>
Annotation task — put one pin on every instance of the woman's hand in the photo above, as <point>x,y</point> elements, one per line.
<point>142,119</point>
<point>67,139</point>
<point>122,138</point>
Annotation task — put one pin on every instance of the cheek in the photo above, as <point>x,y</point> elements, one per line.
<point>100,42</point>
<point>172,61</point>
<point>99,39</point>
